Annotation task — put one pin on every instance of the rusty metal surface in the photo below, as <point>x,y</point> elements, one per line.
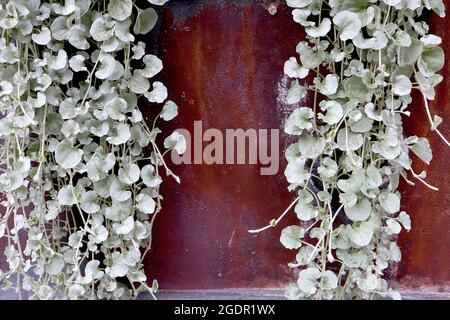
<point>426,249</point>
<point>223,63</point>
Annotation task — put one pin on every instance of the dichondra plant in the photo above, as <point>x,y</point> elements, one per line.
<point>80,195</point>
<point>361,62</point>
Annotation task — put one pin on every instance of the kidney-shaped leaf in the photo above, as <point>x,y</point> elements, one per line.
<point>290,237</point>
<point>66,155</point>
<point>348,23</point>
<point>145,21</point>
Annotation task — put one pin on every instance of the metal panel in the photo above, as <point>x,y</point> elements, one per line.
<point>224,63</point>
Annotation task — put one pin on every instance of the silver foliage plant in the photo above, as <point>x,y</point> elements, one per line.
<point>80,196</point>
<point>365,57</point>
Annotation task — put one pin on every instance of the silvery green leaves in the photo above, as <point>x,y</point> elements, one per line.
<point>293,70</point>
<point>120,9</point>
<point>158,2</point>
<point>75,141</point>
<point>295,93</point>
<point>158,93</point>
<point>431,60</point>
<point>389,201</point>
<point>109,68</point>
<point>329,85</point>
<point>66,155</point>
<point>129,174</point>
<point>120,135</point>
<point>43,37</point>
<point>401,85</point>
<point>405,220</point>
<point>145,21</point>
<point>311,279</point>
<point>320,30</point>
<point>361,64</point>
<point>327,168</point>
<point>334,112</point>
<point>9,17</point>
<point>169,111</point>
<point>360,211</point>
<point>311,56</point>
<point>149,176</point>
<point>299,120</point>
<point>310,147</point>
<point>107,30</point>
<point>422,149</point>
<point>176,142</point>
<point>145,203</point>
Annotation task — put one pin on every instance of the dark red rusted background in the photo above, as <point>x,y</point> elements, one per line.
<point>223,61</point>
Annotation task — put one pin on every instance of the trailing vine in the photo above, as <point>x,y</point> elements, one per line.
<point>80,195</point>
<point>365,58</point>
